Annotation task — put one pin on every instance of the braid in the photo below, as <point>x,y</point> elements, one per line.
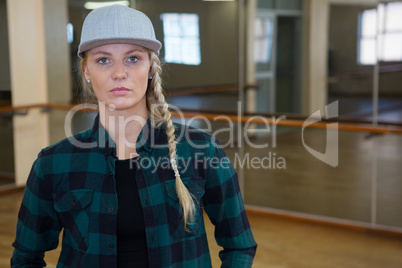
<point>163,114</point>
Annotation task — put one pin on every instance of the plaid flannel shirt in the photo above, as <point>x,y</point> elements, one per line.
<point>71,186</point>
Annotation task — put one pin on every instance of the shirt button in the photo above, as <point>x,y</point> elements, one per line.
<point>111,174</point>
<point>111,246</point>
<point>110,210</point>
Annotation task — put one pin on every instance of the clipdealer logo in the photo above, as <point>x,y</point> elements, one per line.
<point>331,155</point>
<point>269,126</point>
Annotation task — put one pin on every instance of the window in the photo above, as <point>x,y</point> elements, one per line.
<point>70,33</point>
<point>389,34</point>
<point>181,38</point>
<point>390,45</point>
<point>263,35</point>
<point>367,38</point>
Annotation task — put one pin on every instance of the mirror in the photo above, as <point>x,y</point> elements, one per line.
<point>364,66</point>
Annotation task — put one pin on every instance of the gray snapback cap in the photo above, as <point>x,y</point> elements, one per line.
<point>117,24</point>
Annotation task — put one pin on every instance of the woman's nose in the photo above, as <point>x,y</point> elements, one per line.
<point>119,72</point>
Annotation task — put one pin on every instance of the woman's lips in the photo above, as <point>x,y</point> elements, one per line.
<point>119,91</point>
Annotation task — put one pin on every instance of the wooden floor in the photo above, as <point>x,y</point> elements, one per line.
<point>281,243</point>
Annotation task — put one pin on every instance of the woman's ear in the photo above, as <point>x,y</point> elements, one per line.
<point>149,74</point>
<point>86,73</point>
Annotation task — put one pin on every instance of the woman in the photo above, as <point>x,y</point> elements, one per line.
<point>129,192</point>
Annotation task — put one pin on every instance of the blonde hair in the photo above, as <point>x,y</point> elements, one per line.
<point>159,113</point>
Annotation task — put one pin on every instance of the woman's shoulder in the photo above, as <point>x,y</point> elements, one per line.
<point>59,153</point>
<point>68,144</point>
<point>187,133</point>
<point>195,140</point>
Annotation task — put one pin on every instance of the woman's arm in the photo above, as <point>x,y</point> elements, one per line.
<point>38,227</point>
<point>224,205</point>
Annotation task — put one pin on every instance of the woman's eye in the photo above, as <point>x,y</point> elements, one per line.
<point>103,60</point>
<point>133,59</point>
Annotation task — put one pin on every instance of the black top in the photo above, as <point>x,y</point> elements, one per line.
<point>131,238</point>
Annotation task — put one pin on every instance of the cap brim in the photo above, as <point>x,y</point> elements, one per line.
<point>153,45</point>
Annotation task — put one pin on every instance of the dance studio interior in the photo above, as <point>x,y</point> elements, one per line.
<point>305,97</point>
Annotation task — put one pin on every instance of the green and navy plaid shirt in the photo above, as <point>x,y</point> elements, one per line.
<point>72,186</point>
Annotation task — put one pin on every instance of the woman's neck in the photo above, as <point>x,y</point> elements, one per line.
<point>123,127</point>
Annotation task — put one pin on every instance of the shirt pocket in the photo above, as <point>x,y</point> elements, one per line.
<point>73,209</point>
<point>175,212</point>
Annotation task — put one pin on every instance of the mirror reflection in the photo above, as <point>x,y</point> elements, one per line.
<point>365,55</point>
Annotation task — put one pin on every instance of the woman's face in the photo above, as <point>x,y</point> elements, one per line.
<point>119,75</point>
